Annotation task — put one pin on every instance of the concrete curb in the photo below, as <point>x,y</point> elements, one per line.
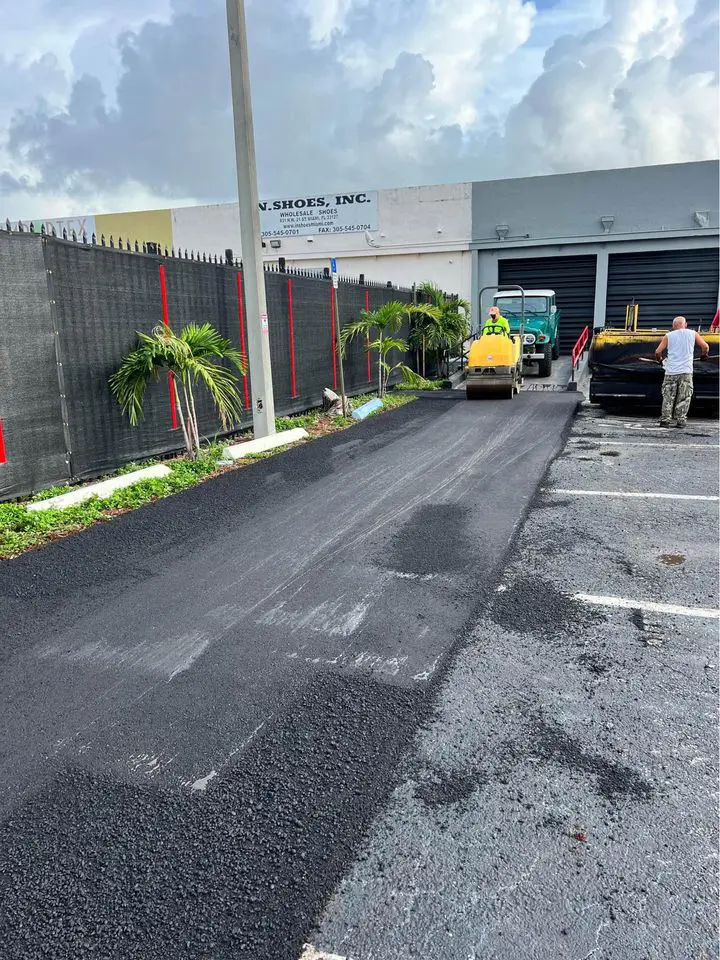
<point>239,450</point>
<point>367,408</point>
<point>102,489</point>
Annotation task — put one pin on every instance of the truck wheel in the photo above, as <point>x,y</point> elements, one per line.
<point>545,365</point>
<point>556,349</point>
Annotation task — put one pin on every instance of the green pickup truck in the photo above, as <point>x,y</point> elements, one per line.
<point>541,342</point>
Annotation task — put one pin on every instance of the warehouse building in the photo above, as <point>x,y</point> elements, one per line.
<point>603,239</point>
<point>599,239</point>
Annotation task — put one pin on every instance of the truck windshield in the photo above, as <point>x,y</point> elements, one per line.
<point>513,305</point>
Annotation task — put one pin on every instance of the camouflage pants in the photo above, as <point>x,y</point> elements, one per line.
<point>677,391</point>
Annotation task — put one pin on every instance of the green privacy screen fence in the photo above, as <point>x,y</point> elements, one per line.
<point>69,312</point>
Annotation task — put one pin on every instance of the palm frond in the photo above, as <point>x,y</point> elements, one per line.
<point>196,354</point>
<point>363,326</point>
<point>221,384</point>
<point>385,344</point>
<point>138,369</point>
<point>432,292</point>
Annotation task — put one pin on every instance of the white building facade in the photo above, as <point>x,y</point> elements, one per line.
<point>418,233</point>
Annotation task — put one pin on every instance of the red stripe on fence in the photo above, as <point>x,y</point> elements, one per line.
<point>367,339</point>
<point>332,336</point>
<point>3,454</point>
<point>166,321</point>
<point>293,385</point>
<point>241,320</point>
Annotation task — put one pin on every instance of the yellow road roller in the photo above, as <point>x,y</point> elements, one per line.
<point>494,366</point>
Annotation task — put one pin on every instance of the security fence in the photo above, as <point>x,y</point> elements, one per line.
<point>69,312</point>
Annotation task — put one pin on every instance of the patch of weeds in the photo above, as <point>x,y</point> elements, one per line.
<point>49,492</point>
<point>265,454</point>
<point>422,384</point>
<point>391,401</point>
<point>292,423</point>
<point>130,467</point>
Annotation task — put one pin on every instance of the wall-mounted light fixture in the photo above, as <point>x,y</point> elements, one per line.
<point>275,244</point>
<point>502,230</point>
<point>607,223</point>
<point>702,218</point>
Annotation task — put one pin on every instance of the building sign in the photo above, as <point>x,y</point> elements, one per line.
<point>308,216</point>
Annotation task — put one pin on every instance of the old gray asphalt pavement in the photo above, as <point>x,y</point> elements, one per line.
<point>205,703</point>
<point>562,804</point>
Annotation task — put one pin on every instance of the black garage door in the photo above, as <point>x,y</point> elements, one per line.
<point>664,283</point>
<point>572,279</point>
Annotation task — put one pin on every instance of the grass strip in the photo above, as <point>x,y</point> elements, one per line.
<point>22,529</point>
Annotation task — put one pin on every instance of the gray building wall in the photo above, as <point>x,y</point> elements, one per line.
<point>653,208</point>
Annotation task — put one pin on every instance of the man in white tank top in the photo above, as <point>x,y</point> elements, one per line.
<point>677,388</point>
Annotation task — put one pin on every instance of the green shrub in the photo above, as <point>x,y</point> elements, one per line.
<point>292,423</point>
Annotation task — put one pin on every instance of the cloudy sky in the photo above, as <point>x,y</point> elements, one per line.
<point>123,104</point>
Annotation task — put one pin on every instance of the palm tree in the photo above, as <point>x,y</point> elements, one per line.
<point>193,357</point>
<point>379,328</point>
<point>444,328</point>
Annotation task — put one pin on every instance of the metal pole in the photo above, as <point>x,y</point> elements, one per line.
<point>263,403</point>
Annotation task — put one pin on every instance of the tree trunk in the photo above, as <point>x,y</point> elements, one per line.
<point>188,415</point>
<point>193,414</point>
<point>181,416</point>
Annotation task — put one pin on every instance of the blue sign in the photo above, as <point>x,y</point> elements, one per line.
<point>333,265</point>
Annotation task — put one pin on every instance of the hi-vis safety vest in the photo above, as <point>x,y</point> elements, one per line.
<point>496,325</point>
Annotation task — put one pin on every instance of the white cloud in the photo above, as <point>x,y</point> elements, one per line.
<point>108,105</point>
<point>622,95</point>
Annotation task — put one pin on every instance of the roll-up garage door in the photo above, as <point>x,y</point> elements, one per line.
<point>572,279</point>
<point>665,283</point>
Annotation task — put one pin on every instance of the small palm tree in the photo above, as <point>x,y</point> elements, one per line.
<point>443,329</point>
<point>379,328</point>
<point>193,357</point>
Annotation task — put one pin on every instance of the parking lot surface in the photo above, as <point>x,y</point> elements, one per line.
<point>562,802</point>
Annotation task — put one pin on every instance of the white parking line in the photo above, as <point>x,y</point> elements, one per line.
<point>640,427</point>
<point>646,443</point>
<point>649,605</point>
<point>621,493</point>
<point>310,953</point>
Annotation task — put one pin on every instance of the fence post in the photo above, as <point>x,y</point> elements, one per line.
<point>166,321</point>
<point>332,336</point>
<point>293,385</point>
<point>367,338</point>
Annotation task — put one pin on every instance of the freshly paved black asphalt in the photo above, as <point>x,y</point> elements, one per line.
<point>203,704</point>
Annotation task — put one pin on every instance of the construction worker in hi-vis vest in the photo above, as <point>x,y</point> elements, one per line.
<point>496,323</point>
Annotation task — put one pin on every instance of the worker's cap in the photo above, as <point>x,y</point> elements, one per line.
<point>494,312</point>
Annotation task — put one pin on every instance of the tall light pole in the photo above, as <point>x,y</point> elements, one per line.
<point>263,403</point>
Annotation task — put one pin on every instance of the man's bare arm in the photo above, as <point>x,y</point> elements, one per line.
<point>662,347</point>
<point>703,344</point>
